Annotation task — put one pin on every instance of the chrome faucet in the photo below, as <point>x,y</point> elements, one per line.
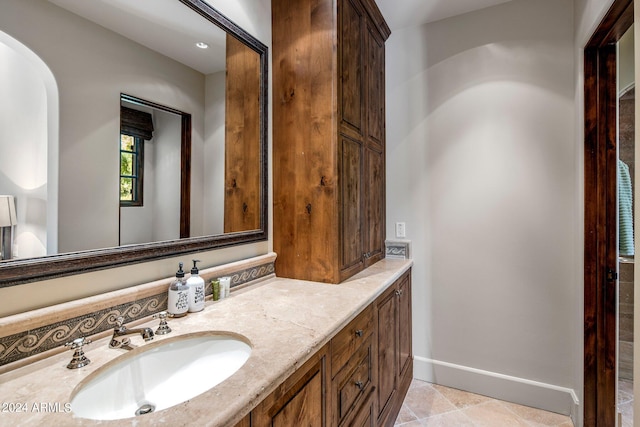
<point>120,337</point>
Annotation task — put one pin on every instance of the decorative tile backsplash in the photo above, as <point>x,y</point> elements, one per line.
<point>31,342</point>
<point>397,249</point>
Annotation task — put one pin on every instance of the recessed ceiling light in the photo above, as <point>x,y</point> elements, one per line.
<point>202,45</point>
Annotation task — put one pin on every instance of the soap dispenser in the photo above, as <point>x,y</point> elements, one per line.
<point>178,303</point>
<point>196,289</point>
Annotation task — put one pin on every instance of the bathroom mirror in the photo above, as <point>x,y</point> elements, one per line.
<point>181,55</point>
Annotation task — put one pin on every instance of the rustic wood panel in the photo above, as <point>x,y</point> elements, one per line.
<point>320,117</point>
<point>242,136</point>
<point>305,140</point>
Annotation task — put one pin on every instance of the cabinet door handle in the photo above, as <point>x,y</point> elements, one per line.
<point>399,292</point>
<point>359,384</point>
<point>359,332</point>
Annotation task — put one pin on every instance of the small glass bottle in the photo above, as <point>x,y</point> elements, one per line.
<point>178,300</point>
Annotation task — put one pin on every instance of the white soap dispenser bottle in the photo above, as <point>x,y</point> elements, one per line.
<point>178,301</point>
<point>196,289</point>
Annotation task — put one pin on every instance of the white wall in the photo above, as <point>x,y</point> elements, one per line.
<point>214,153</point>
<point>167,152</point>
<point>23,149</point>
<point>249,14</point>
<point>481,166</point>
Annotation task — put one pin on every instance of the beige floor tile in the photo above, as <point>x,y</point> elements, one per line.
<point>536,417</point>
<point>425,401</point>
<point>460,398</point>
<point>493,414</point>
<point>415,423</point>
<point>405,415</point>
<point>455,418</point>
<point>432,405</point>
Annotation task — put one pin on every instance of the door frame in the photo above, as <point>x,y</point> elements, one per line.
<point>600,188</point>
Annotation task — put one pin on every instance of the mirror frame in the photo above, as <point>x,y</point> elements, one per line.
<point>20,271</point>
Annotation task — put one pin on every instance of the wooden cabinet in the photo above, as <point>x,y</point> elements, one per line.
<point>394,350</point>
<point>360,378</point>
<point>300,400</point>
<point>328,137</point>
<point>352,367</point>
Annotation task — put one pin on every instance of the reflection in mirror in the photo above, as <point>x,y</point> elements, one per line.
<point>61,156</point>
<point>155,193</point>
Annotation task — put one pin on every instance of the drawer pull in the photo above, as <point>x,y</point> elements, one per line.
<point>359,332</point>
<point>359,384</point>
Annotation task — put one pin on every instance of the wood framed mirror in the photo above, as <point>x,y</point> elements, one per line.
<point>236,214</point>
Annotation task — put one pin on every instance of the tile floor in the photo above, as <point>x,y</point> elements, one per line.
<point>625,402</point>
<point>437,406</point>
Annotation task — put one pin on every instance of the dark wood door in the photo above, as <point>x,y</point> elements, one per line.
<point>600,250</point>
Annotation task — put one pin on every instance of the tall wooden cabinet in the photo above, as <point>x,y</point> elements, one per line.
<point>328,137</point>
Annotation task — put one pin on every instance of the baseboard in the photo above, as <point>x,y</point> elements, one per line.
<point>536,394</point>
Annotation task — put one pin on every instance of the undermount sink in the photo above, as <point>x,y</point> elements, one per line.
<point>159,375</point>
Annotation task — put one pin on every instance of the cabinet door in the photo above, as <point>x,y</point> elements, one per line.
<point>351,50</point>
<point>350,173</point>
<point>374,77</point>
<point>365,417</point>
<point>299,401</point>
<point>374,206</point>
<point>245,422</point>
<point>404,326</point>
<point>374,178</point>
<point>387,354</point>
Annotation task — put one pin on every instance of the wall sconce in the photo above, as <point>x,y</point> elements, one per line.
<point>7,221</point>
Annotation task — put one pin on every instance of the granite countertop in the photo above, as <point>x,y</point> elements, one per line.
<point>285,320</point>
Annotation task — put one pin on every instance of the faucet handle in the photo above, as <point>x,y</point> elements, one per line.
<point>163,328</point>
<point>78,359</point>
<point>119,321</point>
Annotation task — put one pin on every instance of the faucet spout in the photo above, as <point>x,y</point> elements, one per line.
<point>120,338</point>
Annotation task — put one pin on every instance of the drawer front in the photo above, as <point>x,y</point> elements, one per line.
<point>354,381</point>
<point>364,417</point>
<point>350,339</point>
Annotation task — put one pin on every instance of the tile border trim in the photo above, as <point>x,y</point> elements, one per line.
<point>53,334</point>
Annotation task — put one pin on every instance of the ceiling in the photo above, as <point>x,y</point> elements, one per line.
<point>166,26</point>
<point>417,12</point>
<point>172,29</point>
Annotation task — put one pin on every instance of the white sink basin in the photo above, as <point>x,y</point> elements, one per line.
<point>159,375</point>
